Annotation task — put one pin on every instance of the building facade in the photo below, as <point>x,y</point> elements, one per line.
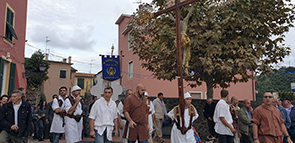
<point>60,73</point>
<point>85,81</point>
<point>13,16</point>
<point>134,74</point>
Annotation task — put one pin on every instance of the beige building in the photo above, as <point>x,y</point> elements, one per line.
<point>85,81</point>
<point>60,74</point>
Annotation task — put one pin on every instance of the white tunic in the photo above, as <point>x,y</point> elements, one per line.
<point>57,121</point>
<point>73,129</point>
<point>222,110</point>
<point>104,116</point>
<point>176,136</point>
<point>150,117</point>
<point>120,112</point>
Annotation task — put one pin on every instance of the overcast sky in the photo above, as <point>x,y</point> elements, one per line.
<point>85,29</point>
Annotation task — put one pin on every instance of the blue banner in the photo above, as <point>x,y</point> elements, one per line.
<point>111,67</point>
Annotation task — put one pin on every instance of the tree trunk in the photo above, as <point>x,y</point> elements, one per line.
<point>209,83</point>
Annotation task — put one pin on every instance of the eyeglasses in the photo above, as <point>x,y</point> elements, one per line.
<point>267,96</point>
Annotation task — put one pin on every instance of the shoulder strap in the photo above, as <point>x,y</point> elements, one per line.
<point>192,110</point>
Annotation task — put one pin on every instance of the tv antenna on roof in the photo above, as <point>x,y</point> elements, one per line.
<point>138,1</point>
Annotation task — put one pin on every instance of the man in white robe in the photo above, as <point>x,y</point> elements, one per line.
<point>151,117</point>
<point>73,125</point>
<point>58,106</point>
<point>176,135</point>
<point>122,116</point>
<point>103,117</point>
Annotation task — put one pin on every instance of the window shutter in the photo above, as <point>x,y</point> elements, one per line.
<point>11,78</point>
<point>81,82</point>
<point>1,73</point>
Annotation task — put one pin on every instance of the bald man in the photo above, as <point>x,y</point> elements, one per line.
<point>135,112</point>
<point>245,125</point>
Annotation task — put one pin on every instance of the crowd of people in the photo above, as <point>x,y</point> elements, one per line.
<point>270,122</point>
<point>137,119</point>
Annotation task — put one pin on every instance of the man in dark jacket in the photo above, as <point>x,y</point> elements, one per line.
<point>16,118</point>
<point>208,114</point>
<point>48,118</point>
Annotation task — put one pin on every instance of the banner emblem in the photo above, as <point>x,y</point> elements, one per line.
<point>111,67</point>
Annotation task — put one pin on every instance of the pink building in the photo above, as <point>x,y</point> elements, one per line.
<point>13,16</point>
<point>134,74</point>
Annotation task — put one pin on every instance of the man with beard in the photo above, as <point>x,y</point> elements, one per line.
<point>135,111</point>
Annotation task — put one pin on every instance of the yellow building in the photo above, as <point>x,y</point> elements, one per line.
<point>85,81</point>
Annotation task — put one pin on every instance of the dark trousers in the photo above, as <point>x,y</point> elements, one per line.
<point>211,125</point>
<point>247,138</point>
<point>225,139</point>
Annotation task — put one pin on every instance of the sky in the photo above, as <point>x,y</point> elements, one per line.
<point>85,29</point>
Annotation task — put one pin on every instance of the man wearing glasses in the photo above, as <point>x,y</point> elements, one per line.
<point>268,125</point>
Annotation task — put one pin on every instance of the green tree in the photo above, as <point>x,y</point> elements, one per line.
<point>279,81</point>
<point>226,42</point>
<point>35,77</point>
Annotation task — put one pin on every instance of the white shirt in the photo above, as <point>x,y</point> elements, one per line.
<point>120,109</point>
<point>150,117</point>
<point>222,110</point>
<point>176,136</point>
<point>57,121</point>
<point>104,116</point>
<point>68,105</point>
<point>16,107</point>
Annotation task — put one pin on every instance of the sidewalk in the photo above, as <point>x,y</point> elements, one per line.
<point>85,140</point>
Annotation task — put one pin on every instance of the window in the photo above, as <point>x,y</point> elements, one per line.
<point>9,30</point>
<point>130,70</point>
<point>196,94</point>
<point>62,74</point>
<point>130,41</point>
<point>81,82</point>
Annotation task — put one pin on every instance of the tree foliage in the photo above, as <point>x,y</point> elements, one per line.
<point>34,76</point>
<point>229,41</point>
<point>279,81</point>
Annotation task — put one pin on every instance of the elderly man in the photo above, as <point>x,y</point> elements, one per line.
<point>16,119</point>
<point>245,125</point>
<point>74,118</point>
<point>190,114</point>
<point>103,117</point>
<point>160,112</point>
<point>268,125</point>
<point>135,111</point>
<point>223,120</point>
<point>234,109</point>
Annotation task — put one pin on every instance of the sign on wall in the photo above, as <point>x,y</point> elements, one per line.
<point>111,67</point>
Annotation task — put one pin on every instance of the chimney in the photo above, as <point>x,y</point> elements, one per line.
<point>70,59</point>
<point>64,60</point>
<point>46,57</point>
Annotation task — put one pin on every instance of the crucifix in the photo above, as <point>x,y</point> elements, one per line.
<point>146,16</point>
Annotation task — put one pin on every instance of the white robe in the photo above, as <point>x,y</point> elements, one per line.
<point>176,136</point>
<point>73,129</point>
<point>120,112</point>
<point>57,121</point>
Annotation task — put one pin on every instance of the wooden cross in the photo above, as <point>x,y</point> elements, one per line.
<point>176,8</point>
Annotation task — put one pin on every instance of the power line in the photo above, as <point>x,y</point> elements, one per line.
<point>59,56</point>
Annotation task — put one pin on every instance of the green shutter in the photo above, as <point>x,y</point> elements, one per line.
<point>1,73</point>
<point>62,74</point>
<point>81,82</point>
<point>10,32</point>
<point>11,78</point>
